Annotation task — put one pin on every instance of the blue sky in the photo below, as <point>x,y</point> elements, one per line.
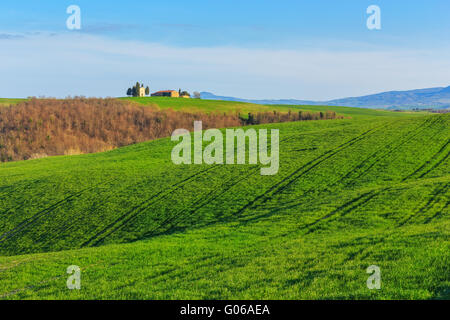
<point>253,49</point>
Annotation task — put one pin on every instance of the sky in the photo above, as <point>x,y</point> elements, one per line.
<point>310,50</point>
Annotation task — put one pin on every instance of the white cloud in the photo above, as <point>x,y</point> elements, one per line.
<point>70,64</point>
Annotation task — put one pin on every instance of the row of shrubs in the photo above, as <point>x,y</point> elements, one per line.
<point>276,116</point>
<point>47,127</point>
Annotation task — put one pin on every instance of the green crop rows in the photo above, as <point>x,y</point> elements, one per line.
<point>370,190</point>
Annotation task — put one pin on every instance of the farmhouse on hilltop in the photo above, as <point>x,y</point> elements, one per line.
<point>166,93</point>
<point>172,94</point>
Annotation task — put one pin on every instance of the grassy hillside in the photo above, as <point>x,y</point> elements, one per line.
<point>349,194</point>
<point>6,102</point>
<point>200,105</point>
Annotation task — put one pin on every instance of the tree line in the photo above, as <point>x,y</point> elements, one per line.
<point>49,127</point>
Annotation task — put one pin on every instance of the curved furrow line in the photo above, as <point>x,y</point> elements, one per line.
<point>201,202</point>
<point>433,158</point>
<point>437,164</point>
<point>132,214</point>
<point>344,209</point>
<point>378,155</point>
<point>298,173</point>
<point>437,214</point>
<point>360,165</point>
<point>32,220</point>
<point>434,197</point>
<point>125,218</point>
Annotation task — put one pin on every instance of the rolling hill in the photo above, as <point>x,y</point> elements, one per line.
<point>429,98</point>
<point>437,98</point>
<point>203,105</point>
<point>228,106</point>
<point>372,189</point>
<point>6,101</point>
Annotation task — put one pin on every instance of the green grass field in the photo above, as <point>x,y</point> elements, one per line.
<point>200,105</point>
<point>372,189</point>
<point>206,106</point>
<point>4,102</point>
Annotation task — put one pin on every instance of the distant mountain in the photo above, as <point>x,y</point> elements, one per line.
<point>211,96</point>
<point>437,98</point>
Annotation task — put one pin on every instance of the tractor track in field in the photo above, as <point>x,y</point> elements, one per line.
<point>201,202</point>
<point>36,217</point>
<point>437,164</point>
<point>334,183</point>
<point>294,176</point>
<point>362,248</point>
<point>411,134</point>
<point>144,205</point>
<point>414,133</point>
<point>325,157</point>
<point>379,154</point>
<point>433,158</point>
<point>432,201</point>
<point>430,219</point>
<point>344,209</point>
